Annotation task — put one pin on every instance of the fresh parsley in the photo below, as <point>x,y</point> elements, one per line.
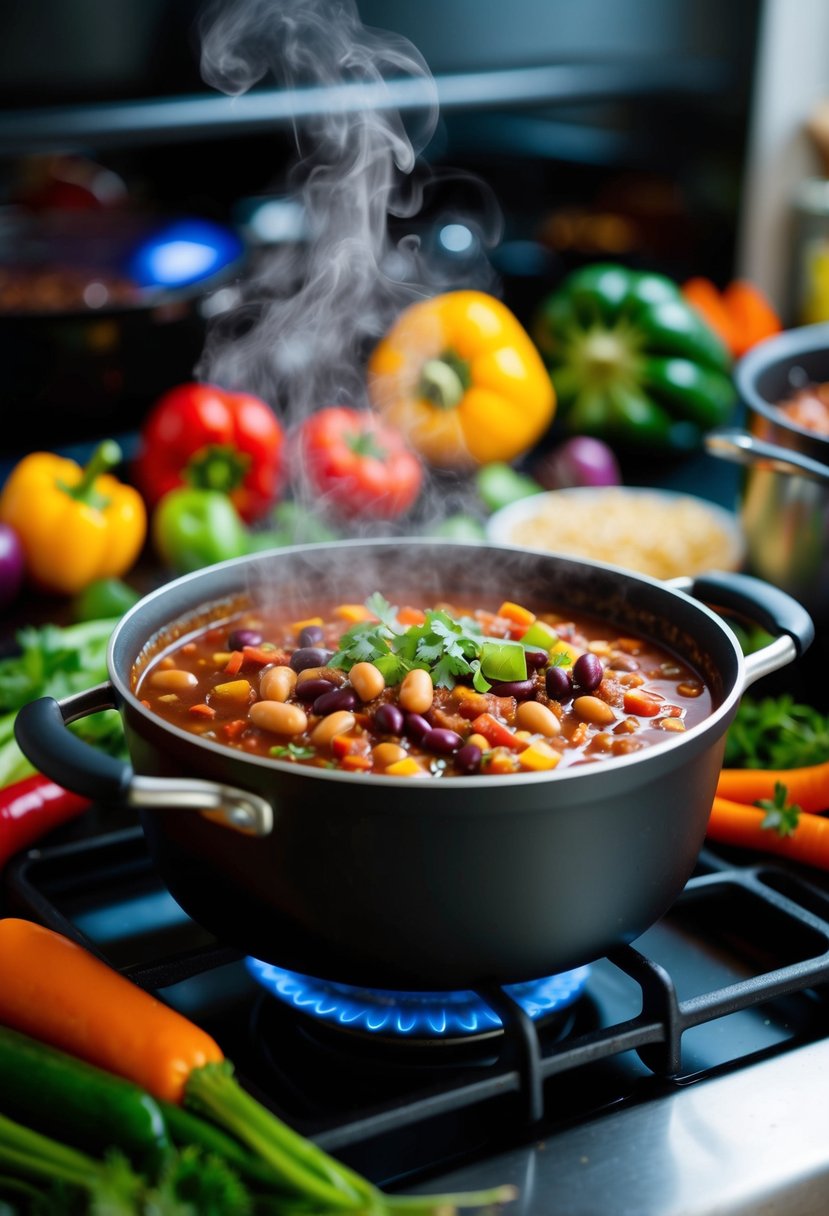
<point>445,647</point>
<point>781,816</point>
<point>776,733</point>
<point>291,751</point>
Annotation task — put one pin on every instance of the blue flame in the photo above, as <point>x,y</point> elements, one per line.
<point>413,1014</point>
<point>184,252</point>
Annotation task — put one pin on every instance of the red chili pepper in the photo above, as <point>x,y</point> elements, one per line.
<point>32,807</point>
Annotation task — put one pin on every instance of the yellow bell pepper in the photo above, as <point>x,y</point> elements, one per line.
<point>461,378</point>
<point>76,525</point>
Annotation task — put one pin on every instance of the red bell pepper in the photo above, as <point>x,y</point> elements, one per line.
<point>204,436</point>
<point>32,807</point>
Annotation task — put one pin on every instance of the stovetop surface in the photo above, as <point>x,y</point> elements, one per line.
<point>688,1078</point>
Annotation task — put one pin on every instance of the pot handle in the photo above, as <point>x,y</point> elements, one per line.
<point>747,449</point>
<point>776,611</point>
<point>40,730</point>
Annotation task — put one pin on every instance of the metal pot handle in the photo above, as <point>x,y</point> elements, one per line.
<point>40,730</point>
<point>747,449</point>
<point>777,613</point>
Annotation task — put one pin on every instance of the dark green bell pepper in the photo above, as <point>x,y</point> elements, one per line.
<point>193,528</point>
<point>631,361</point>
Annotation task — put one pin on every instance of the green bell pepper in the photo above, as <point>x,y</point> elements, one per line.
<point>631,361</point>
<point>192,528</point>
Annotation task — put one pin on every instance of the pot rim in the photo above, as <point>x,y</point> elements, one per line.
<point>598,770</point>
<point>780,348</point>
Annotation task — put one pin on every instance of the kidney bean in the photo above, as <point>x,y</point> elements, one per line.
<point>385,754</point>
<point>311,635</point>
<point>278,717</point>
<point>335,724</point>
<point>389,720</point>
<point>173,679</point>
<point>537,718</point>
<point>277,683</point>
<point>522,690</point>
<point>558,684</point>
<point>442,740</point>
<point>310,690</point>
<point>537,659</point>
<point>416,691</point>
<point>468,758</point>
<point>240,638</point>
<point>309,656</point>
<point>367,681</point>
<point>594,710</point>
<point>587,672</point>
<point>417,727</point>
<point>332,702</point>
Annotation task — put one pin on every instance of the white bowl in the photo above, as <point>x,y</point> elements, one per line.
<point>662,533</point>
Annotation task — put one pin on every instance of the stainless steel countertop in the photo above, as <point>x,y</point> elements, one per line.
<point>755,1141</point>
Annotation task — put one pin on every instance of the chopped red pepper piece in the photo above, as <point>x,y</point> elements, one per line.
<point>497,734</point>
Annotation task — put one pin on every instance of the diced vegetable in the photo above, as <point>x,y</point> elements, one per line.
<point>503,661</point>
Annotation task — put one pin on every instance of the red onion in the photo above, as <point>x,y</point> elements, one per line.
<point>580,461</point>
<point>11,565</point>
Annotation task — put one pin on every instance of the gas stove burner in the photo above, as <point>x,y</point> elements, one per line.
<point>414,1015</point>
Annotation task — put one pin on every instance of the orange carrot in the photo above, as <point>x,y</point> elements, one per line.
<point>808,787</point>
<point>55,991</point>
<point>751,314</point>
<point>735,823</point>
<point>706,298</point>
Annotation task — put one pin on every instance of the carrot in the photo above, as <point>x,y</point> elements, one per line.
<point>751,313</point>
<point>55,991</point>
<point>735,823</point>
<point>807,786</point>
<point>704,295</point>
<point>58,993</point>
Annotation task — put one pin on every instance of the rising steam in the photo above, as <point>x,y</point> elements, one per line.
<point>312,312</point>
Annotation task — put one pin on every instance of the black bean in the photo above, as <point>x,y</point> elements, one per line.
<point>309,656</point>
<point>309,690</point>
<point>389,719</point>
<point>311,635</point>
<point>416,727</point>
<point>522,690</point>
<point>468,759</point>
<point>442,740</point>
<point>331,702</point>
<point>558,684</point>
<point>587,672</point>
<point>240,638</point>
<point>536,659</point>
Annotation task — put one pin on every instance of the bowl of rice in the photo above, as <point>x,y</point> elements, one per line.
<point>661,533</point>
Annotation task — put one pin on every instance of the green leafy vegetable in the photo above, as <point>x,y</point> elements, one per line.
<point>781,816</point>
<point>292,751</point>
<point>776,733</point>
<point>56,661</point>
<point>445,647</point>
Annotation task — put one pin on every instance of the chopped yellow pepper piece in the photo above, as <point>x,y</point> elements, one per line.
<point>233,690</point>
<point>408,767</point>
<point>539,756</point>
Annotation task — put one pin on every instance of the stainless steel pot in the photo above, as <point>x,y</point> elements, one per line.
<point>395,883</point>
<point>784,508</point>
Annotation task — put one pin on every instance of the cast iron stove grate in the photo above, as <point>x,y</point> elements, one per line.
<point>630,1032</point>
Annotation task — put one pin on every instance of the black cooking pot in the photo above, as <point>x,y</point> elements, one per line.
<point>387,882</point>
<point>85,345</point>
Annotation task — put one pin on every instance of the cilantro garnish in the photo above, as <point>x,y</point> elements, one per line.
<point>292,751</point>
<point>445,647</point>
<point>781,816</point>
